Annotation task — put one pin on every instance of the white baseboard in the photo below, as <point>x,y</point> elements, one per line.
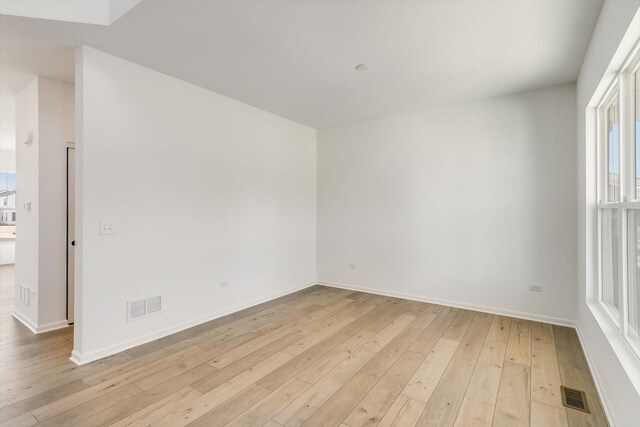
<point>596,377</point>
<point>26,322</point>
<point>39,329</point>
<point>80,359</point>
<point>53,326</point>
<point>75,358</point>
<point>493,310</point>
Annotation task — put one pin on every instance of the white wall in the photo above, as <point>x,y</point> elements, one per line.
<point>7,160</point>
<point>242,180</point>
<point>27,190</point>
<point>56,121</point>
<point>7,126</point>
<point>621,398</point>
<point>466,205</point>
<point>44,108</point>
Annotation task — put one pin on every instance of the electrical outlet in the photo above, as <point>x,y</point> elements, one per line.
<point>535,288</point>
<point>352,266</point>
<point>106,227</point>
<point>224,284</point>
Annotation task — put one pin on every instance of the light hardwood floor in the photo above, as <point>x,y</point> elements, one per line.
<point>321,356</point>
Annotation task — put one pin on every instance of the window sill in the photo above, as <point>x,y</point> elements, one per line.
<point>612,313</point>
<point>624,352</point>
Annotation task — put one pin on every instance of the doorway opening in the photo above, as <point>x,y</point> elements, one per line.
<point>8,218</point>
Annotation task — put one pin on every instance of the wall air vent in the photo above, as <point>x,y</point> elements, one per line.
<point>144,307</point>
<point>154,304</point>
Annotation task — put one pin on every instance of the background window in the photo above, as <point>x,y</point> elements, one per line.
<point>7,198</point>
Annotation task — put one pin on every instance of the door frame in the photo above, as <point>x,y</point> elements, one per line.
<point>69,146</point>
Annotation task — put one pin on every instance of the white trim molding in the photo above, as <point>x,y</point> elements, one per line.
<point>421,298</point>
<point>621,347</point>
<point>39,329</point>
<point>80,359</point>
<point>26,322</point>
<point>597,381</point>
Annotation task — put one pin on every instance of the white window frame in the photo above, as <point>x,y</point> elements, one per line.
<point>608,100</point>
<point>631,95</point>
<point>622,91</point>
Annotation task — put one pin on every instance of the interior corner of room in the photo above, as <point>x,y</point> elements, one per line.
<point>264,211</point>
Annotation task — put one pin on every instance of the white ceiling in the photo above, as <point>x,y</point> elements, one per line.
<point>297,58</point>
<point>103,12</point>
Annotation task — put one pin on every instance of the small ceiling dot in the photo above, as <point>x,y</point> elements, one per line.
<point>362,67</point>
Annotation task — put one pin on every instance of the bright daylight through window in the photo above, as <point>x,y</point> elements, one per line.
<point>619,202</point>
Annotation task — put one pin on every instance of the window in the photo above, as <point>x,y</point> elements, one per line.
<point>618,134</point>
<point>612,158</point>
<point>610,260</point>
<point>633,226</point>
<point>7,198</point>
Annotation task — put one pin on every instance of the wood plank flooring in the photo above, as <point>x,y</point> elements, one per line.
<point>319,357</point>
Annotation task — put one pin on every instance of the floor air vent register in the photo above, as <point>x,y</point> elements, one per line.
<point>575,399</point>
